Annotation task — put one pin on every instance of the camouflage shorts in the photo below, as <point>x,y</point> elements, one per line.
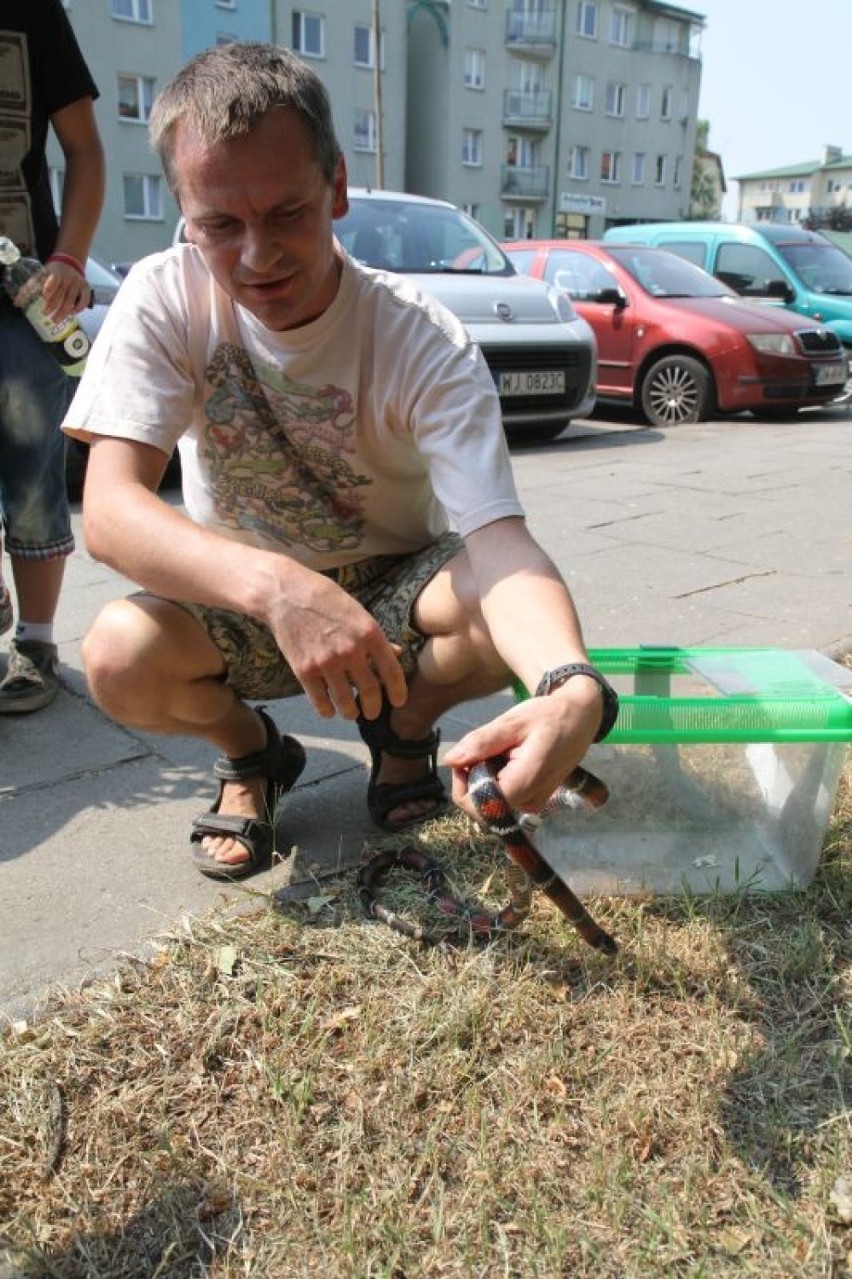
<point>386,585</point>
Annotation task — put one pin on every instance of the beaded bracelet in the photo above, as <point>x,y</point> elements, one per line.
<point>68,260</point>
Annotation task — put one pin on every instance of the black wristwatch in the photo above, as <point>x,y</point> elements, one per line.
<point>561,674</point>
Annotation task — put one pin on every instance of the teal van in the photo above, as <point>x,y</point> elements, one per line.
<point>765,261</point>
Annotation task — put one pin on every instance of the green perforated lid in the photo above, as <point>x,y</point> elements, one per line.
<point>726,695</point>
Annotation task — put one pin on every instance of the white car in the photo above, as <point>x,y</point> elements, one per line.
<point>541,354</point>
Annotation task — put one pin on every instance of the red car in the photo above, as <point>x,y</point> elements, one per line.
<point>678,345</point>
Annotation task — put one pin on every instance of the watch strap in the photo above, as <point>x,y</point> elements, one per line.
<point>551,680</point>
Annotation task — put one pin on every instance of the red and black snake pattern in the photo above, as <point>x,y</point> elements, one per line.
<point>527,868</point>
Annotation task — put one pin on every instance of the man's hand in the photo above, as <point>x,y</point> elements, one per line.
<point>543,740</point>
<point>337,651</point>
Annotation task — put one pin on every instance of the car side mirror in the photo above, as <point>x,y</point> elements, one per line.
<point>609,297</point>
<point>780,289</point>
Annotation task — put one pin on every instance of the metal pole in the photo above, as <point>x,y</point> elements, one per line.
<point>377,95</point>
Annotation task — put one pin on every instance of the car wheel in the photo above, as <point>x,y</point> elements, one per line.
<point>677,390</point>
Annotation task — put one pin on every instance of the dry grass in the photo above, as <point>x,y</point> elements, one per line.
<point>296,1092</point>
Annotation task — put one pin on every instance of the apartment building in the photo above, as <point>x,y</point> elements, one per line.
<point>540,116</point>
<point>797,192</point>
<point>554,117</point>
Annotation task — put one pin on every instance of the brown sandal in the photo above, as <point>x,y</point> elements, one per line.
<point>384,797</point>
<point>280,762</point>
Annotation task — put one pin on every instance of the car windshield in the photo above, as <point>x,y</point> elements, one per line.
<point>397,235</point>
<point>821,267</point>
<point>665,275</point>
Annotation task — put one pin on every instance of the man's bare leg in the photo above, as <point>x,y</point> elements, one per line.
<point>151,665</point>
<point>458,664</point>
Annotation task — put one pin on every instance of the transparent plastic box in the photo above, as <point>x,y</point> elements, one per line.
<point>722,773</point>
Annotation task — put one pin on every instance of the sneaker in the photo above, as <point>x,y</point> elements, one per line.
<point>6,617</point>
<point>31,679</point>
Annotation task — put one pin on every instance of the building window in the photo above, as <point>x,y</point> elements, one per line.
<point>610,166</point>
<point>643,101</point>
<point>660,171</point>
<point>308,34</point>
<point>583,96</point>
<point>472,146</point>
<point>131,10</point>
<point>587,19</point>
<point>474,68</point>
<point>579,163</point>
<point>677,171</point>
<point>638,176</point>
<point>666,38</point>
<point>364,47</point>
<point>364,130</point>
<point>666,102</point>
<point>477,4</point>
<point>143,197</point>
<point>472,210</point>
<point>616,95</point>
<point>798,186</point>
<point>135,97</point>
<point>621,28</point>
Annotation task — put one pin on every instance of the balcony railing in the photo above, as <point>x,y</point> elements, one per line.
<point>518,183</point>
<point>528,110</point>
<point>535,32</point>
<point>681,49</point>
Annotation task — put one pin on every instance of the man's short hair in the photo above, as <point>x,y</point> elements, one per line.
<point>224,91</point>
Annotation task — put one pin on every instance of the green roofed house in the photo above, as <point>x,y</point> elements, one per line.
<point>814,191</point>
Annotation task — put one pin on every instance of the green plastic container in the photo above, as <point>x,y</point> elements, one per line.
<point>722,770</point>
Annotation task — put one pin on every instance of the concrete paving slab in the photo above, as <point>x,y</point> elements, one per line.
<point>725,533</point>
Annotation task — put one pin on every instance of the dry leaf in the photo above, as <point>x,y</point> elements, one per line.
<point>841,1197</point>
<point>340,1019</point>
<point>318,903</point>
<point>226,960</point>
<point>733,1241</point>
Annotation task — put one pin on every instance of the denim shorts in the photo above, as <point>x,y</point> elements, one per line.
<point>386,585</point>
<point>34,397</point>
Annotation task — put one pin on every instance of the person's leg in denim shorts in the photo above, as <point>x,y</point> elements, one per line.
<point>34,396</point>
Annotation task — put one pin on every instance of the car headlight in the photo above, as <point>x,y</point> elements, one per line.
<point>561,304</point>
<point>772,343</point>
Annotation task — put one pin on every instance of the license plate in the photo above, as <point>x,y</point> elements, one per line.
<point>532,382</point>
<point>828,374</point>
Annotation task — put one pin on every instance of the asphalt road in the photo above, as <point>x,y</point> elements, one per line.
<point>733,532</point>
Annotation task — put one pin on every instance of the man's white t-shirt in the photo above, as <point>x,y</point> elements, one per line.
<point>369,431</point>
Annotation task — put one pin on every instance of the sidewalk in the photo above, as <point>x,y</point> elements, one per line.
<point>730,533</point>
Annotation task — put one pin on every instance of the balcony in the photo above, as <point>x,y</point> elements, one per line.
<point>524,184</point>
<point>523,110</point>
<point>532,33</point>
<point>678,50</point>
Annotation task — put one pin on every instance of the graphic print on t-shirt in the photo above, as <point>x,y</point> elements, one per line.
<point>275,451</point>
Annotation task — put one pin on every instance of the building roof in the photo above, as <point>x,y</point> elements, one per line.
<point>674,11</point>
<point>801,170</point>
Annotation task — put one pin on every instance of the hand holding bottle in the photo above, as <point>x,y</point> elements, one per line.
<point>65,290</point>
<point>25,281</point>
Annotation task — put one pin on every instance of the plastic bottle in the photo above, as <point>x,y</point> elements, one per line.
<point>23,279</point>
